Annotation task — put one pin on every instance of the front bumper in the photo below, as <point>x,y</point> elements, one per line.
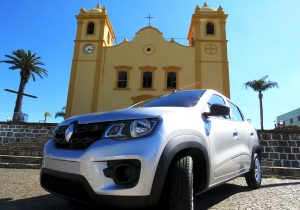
<point>85,170</point>
<point>76,187</point>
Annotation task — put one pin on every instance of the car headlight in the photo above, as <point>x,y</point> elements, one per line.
<point>131,129</point>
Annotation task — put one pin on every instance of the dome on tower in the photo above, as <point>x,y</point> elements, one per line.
<point>205,9</point>
<point>97,9</point>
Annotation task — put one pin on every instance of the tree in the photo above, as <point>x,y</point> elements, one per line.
<point>61,113</point>
<point>261,85</point>
<point>47,114</point>
<point>29,65</point>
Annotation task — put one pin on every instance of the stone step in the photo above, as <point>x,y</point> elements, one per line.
<point>22,145</point>
<point>20,159</point>
<point>283,172</point>
<point>20,165</point>
<point>25,142</point>
<point>21,153</point>
<point>26,148</point>
<point>34,141</point>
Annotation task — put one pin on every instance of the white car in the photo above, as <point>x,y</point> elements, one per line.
<point>170,149</point>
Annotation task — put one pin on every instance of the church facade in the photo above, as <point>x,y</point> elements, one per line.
<point>105,76</point>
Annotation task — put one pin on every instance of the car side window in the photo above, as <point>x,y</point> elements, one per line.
<point>237,115</point>
<point>215,99</point>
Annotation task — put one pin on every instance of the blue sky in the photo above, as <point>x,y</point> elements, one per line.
<point>263,39</point>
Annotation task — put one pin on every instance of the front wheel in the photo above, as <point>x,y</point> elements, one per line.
<point>254,176</point>
<point>181,188</point>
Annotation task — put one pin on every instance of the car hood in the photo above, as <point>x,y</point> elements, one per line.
<point>125,114</point>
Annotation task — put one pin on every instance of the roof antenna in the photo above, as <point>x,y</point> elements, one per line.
<point>174,91</point>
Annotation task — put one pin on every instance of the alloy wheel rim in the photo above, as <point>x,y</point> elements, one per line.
<point>257,170</point>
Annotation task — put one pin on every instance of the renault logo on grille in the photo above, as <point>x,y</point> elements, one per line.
<point>69,132</point>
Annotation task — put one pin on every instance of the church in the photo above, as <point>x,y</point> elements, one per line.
<point>105,76</point>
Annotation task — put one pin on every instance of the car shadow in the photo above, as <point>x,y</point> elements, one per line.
<point>217,195</point>
<point>214,196</point>
<point>50,202</point>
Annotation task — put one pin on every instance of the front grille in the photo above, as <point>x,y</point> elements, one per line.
<point>66,187</point>
<point>83,135</point>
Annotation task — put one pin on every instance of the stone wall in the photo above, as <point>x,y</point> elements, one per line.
<point>22,132</point>
<point>280,149</point>
<point>280,153</point>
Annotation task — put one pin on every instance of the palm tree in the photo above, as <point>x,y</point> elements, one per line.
<point>29,65</point>
<point>261,85</point>
<point>47,114</point>
<point>62,113</point>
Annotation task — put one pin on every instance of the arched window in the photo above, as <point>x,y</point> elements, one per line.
<point>90,28</point>
<point>210,28</point>
<point>171,80</point>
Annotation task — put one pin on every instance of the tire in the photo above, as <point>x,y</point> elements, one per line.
<point>181,185</point>
<point>254,176</point>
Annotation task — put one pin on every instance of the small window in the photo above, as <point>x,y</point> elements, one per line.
<point>147,79</point>
<point>171,80</point>
<point>298,118</point>
<point>210,28</point>
<point>122,79</point>
<point>90,28</point>
<point>291,121</point>
<point>237,115</point>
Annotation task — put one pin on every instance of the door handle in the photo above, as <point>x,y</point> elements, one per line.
<point>235,133</point>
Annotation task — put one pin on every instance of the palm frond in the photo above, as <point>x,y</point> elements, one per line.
<point>61,113</point>
<point>261,84</point>
<point>29,65</point>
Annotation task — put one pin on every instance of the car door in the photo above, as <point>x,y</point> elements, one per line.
<point>244,133</point>
<point>222,143</point>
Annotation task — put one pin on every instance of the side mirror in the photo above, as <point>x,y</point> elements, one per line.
<point>217,110</point>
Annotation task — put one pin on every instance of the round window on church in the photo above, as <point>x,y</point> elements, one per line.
<point>148,49</point>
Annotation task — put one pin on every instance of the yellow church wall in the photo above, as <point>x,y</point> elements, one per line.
<point>217,35</point>
<point>87,57</point>
<point>212,77</point>
<point>106,31</point>
<point>83,88</point>
<point>208,55</point>
<point>94,36</point>
<point>132,54</point>
<point>93,83</point>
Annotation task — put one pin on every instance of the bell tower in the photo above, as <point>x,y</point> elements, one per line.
<point>207,34</point>
<point>94,34</point>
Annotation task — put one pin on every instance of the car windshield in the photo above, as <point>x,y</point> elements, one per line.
<point>178,99</point>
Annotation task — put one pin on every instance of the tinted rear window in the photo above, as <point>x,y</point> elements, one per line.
<point>177,99</point>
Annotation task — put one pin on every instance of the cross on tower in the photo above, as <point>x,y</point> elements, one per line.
<point>149,18</point>
<point>211,49</point>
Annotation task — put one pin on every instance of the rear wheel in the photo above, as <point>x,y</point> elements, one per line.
<point>181,185</point>
<point>254,176</point>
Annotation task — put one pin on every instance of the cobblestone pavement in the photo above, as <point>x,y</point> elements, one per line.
<point>20,190</point>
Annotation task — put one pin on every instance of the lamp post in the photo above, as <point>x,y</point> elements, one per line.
<point>275,123</point>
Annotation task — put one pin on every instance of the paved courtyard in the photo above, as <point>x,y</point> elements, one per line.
<point>20,190</point>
